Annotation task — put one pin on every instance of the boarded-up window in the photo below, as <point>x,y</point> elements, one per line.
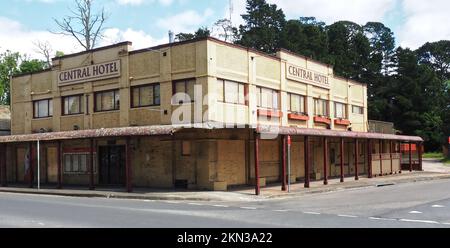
<point>107,100</point>
<point>144,96</point>
<point>186,148</point>
<point>77,163</point>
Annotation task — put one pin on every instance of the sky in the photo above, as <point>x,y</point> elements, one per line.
<point>147,22</point>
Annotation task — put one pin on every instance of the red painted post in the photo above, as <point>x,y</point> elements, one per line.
<point>31,173</point>
<point>91,166</point>
<point>390,154</point>
<point>257,188</point>
<point>306,153</point>
<point>129,182</point>
<point>342,160</point>
<point>381,157</point>
<point>283,168</point>
<point>369,157</point>
<point>420,152</point>
<point>59,164</point>
<point>410,157</point>
<point>356,159</point>
<point>401,155</point>
<point>3,165</point>
<point>325,160</point>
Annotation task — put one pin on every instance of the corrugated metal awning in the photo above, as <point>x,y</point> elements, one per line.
<point>333,133</point>
<point>93,133</point>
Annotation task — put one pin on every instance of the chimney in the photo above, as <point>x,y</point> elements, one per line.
<point>171,34</point>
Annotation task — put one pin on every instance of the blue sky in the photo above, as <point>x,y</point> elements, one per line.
<point>146,22</point>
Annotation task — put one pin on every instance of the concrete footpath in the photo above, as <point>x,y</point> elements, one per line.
<point>246,193</point>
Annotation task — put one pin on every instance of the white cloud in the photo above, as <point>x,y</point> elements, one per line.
<point>186,21</point>
<point>329,11</point>
<point>140,2</point>
<point>425,21</point>
<point>139,38</point>
<point>15,37</point>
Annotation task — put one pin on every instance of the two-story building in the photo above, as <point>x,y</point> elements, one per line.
<point>201,114</point>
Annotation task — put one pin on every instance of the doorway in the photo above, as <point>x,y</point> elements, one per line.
<point>112,165</point>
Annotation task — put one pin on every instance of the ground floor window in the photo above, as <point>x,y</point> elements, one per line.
<point>77,163</point>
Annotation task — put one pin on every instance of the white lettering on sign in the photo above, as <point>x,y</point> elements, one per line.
<point>301,74</point>
<point>89,73</point>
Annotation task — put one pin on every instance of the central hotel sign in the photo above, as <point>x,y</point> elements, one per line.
<point>88,73</point>
<point>304,75</point>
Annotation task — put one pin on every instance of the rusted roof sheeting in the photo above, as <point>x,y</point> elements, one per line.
<point>333,133</point>
<point>93,133</point>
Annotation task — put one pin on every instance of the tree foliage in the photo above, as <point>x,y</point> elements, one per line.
<point>12,64</point>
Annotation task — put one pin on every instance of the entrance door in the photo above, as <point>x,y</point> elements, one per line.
<point>112,165</point>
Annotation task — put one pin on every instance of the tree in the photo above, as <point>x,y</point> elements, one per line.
<point>306,36</point>
<point>263,26</point>
<point>226,30</point>
<point>84,25</point>
<point>437,55</point>
<point>45,49</point>
<point>12,64</point>
<point>348,49</point>
<point>200,33</point>
<point>382,42</point>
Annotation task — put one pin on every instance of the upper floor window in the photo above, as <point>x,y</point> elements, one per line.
<point>296,103</point>
<point>183,91</point>
<point>107,100</point>
<point>73,105</point>
<point>340,110</point>
<point>267,98</point>
<point>144,96</point>
<point>321,107</point>
<point>231,92</point>
<point>357,110</point>
<point>43,108</point>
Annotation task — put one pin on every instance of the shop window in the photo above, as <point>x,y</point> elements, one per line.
<point>357,110</point>
<point>43,108</point>
<point>296,103</point>
<point>77,163</point>
<point>340,110</point>
<point>183,91</point>
<point>72,105</point>
<point>107,100</point>
<point>321,107</point>
<point>144,96</point>
<point>267,98</point>
<point>186,148</point>
<point>231,92</point>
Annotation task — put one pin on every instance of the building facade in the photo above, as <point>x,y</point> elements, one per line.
<point>226,113</point>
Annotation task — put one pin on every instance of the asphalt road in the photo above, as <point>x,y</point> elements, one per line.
<point>420,204</point>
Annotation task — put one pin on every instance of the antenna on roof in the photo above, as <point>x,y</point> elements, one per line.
<point>171,34</point>
<point>231,9</point>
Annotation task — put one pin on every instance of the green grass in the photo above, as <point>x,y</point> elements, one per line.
<point>446,161</point>
<point>433,155</point>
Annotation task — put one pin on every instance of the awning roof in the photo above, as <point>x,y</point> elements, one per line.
<point>171,129</point>
<point>333,133</point>
<point>93,133</point>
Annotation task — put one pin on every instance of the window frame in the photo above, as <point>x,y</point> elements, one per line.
<point>345,114</point>
<point>49,103</point>
<point>185,81</point>
<point>114,97</point>
<point>305,108</point>
<point>139,87</point>
<point>79,171</point>
<point>259,93</point>
<point>80,109</point>
<point>222,82</point>
<point>360,108</point>
<point>327,114</point>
